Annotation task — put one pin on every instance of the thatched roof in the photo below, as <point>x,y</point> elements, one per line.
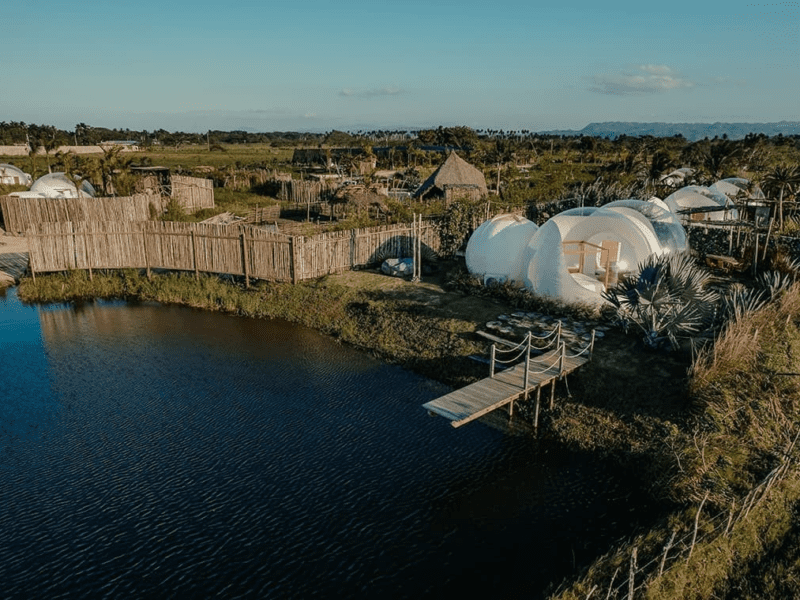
<point>359,196</point>
<point>454,172</point>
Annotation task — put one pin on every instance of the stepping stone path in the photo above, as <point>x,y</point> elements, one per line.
<point>576,334</point>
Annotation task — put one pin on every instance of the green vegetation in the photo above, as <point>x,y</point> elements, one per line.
<point>732,450</point>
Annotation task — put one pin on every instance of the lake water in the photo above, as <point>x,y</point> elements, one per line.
<point>162,451</point>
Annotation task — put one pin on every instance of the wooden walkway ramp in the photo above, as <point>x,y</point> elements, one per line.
<point>502,389</point>
<point>13,265</point>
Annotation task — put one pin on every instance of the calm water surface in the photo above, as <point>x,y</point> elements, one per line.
<point>160,451</point>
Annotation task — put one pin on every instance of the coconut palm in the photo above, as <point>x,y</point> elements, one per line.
<point>781,180</point>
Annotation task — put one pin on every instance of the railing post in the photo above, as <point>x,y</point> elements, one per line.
<point>563,350</point>
<point>591,345</point>
<point>527,361</point>
<point>491,361</point>
<point>558,335</point>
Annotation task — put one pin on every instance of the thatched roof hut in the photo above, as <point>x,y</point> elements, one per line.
<point>454,178</point>
<point>358,197</point>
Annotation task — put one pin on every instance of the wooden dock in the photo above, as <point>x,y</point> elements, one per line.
<point>502,389</point>
<point>13,265</point>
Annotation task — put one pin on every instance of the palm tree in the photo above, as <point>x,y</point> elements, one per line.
<point>660,161</point>
<point>667,300</point>
<point>782,179</point>
<point>49,144</point>
<point>719,157</point>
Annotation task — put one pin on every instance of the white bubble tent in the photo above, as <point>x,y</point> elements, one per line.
<point>57,185</point>
<point>577,254</point>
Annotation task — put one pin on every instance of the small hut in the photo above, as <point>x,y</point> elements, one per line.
<point>454,179</point>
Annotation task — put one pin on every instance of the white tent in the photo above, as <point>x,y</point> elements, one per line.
<point>58,185</point>
<point>666,225</point>
<point>577,252</point>
<point>734,187</point>
<point>695,198</point>
<point>11,175</point>
<point>658,202</point>
<point>676,177</point>
<point>497,248</point>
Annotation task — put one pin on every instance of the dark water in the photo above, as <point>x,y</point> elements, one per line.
<point>151,451</point>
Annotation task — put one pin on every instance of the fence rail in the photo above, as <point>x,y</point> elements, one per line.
<point>230,249</point>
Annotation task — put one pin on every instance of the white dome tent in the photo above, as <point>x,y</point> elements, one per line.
<point>11,175</point>
<point>496,250</point>
<point>658,202</point>
<point>667,227</point>
<point>737,187</point>
<point>577,253</point>
<point>695,198</point>
<point>58,185</point>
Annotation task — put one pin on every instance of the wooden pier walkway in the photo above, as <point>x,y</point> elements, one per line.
<point>502,389</point>
<point>13,265</point>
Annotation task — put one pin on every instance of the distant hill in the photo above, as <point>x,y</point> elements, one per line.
<point>691,131</point>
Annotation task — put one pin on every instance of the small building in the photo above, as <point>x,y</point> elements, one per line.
<point>454,179</point>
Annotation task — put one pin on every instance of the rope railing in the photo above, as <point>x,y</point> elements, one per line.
<point>513,359</point>
<point>557,359</point>
<point>524,342</point>
<point>556,331</point>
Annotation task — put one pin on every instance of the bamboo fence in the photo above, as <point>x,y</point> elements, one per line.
<point>20,214</point>
<point>193,193</point>
<point>306,192</point>
<point>223,249</point>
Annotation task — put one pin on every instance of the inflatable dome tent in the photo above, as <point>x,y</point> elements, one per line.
<point>497,249</point>
<point>577,254</point>
<point>695,198</point>
<point>11,175</point>
<point>734,187</point>
<point>58,185</point>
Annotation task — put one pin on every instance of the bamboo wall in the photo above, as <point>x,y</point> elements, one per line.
<point>20,214</point>
<point>230,249</point>
<point>193,193</point>
<point>306,192</point>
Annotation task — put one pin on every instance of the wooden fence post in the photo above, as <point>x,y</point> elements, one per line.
<point>86,254</point>
<point>666,551</point>
<point>244,261</point>
<point>30,260</point>
<point>696,525</point>
<point>353,241</point>
<point>292,261</point>
<point>632,573</point>
<point>146,256</point>
<point>194,256</point>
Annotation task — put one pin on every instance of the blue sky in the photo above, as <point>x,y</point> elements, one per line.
<point>318,65</point>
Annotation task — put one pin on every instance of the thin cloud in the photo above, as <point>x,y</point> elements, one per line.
<point>371,93</point>
<point>643,79</point>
